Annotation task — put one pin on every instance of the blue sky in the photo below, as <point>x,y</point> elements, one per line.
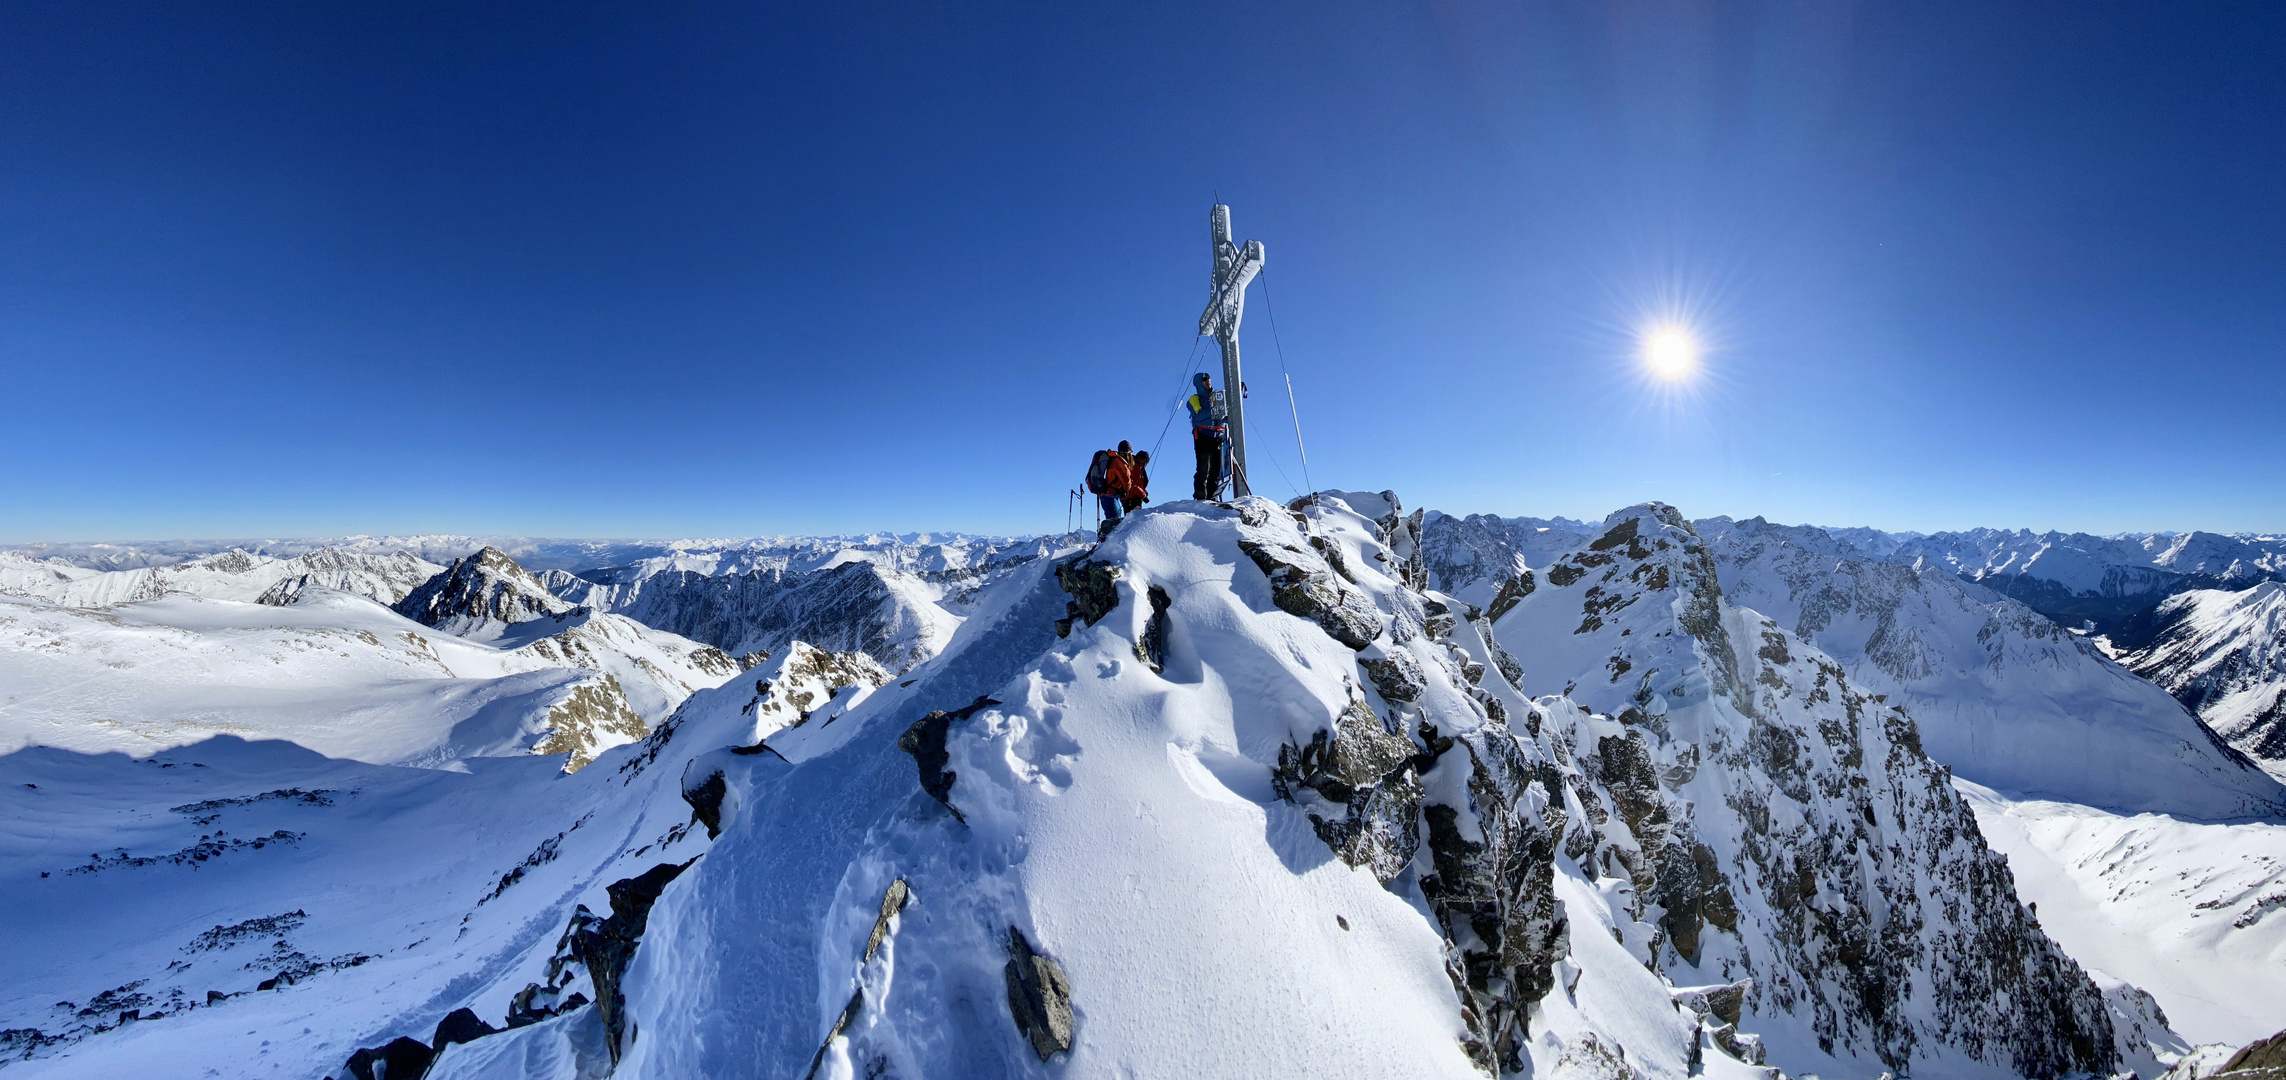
<point>567,270</point>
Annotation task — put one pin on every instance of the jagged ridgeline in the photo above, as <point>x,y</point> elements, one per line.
<point>1231,794</point>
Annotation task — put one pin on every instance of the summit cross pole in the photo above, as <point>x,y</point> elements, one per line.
<point>1234,267</point>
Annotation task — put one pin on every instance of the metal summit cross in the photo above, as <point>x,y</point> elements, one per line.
<point>1234,266</point>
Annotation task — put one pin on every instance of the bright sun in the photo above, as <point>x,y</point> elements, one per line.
<point>1671,354</point>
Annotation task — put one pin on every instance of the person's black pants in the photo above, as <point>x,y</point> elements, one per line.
<point>1206,483</point>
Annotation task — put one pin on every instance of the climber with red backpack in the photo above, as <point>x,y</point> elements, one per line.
<point>1111,479</point>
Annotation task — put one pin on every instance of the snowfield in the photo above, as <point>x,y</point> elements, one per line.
<point>2193,912</point>
<point>335,673</point>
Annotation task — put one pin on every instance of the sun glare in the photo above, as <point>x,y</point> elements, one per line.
<point>1671,354</point>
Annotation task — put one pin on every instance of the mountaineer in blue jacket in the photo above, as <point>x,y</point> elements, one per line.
<point>1209,427</point>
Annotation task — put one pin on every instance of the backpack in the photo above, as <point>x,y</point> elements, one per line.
<point>1099,473</point>
<point>1119,477</point>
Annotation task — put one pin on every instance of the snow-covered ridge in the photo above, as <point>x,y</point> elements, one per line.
<point>233,574</point>
<point>2002,694</point>
<point>2070,577</point>
<point>1227,795</point>
<point>899,610</point>
<point>2223,654</point>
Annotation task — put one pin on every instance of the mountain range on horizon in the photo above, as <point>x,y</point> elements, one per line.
<point>1663,718</point>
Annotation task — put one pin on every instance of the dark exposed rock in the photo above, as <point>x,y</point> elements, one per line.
<point>1513,589</point>
<point>925,740</point>
<point>1039,997</point>
<point>1151,648</point>
<point>1397,675</point>
<point>459,1026</point>
<point>1358,788</point>
<point>605,945</point>
<point>1495,899</point>
<point>400,1059</point>
<point>1441,620</point>
<point>1307,591</point>
<point>705,798</point>
<point>1746,1048</point>
<point>1095,591</point>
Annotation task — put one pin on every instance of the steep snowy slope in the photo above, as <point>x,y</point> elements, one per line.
<point>1789,769</point>
<point>1979,673</point>
<point>229,575</point>
<point>1251,816</point>
<point>254,909</point>
<point>1227,795</point>
<point>2223,654</point>
<point>2003,695</point>
<point>891,616</point>
<point>2193,912</point>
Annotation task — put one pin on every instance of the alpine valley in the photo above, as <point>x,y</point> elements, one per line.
<point>1331,787</point>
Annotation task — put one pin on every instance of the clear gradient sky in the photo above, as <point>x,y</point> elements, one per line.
<point>301,269</point>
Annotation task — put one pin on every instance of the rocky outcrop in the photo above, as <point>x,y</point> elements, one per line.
<point>1039,997</point>
<point>1303,584</point>
<point>1778,823</point>
<point>592,717</point>
<point>1094,587</point>
<point>1357,785</point>
<point>806,679</point>
<point>2265,1060</point>
<point>604,946</point>
<point>925,740</point>
<point>399,1057</point>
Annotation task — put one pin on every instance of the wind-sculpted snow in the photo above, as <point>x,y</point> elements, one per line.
<point>2002,695</point>
<point>2223,655</point>
<point>252,908</point>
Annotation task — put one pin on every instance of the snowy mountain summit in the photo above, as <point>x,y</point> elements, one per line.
<point>1231,793</point>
